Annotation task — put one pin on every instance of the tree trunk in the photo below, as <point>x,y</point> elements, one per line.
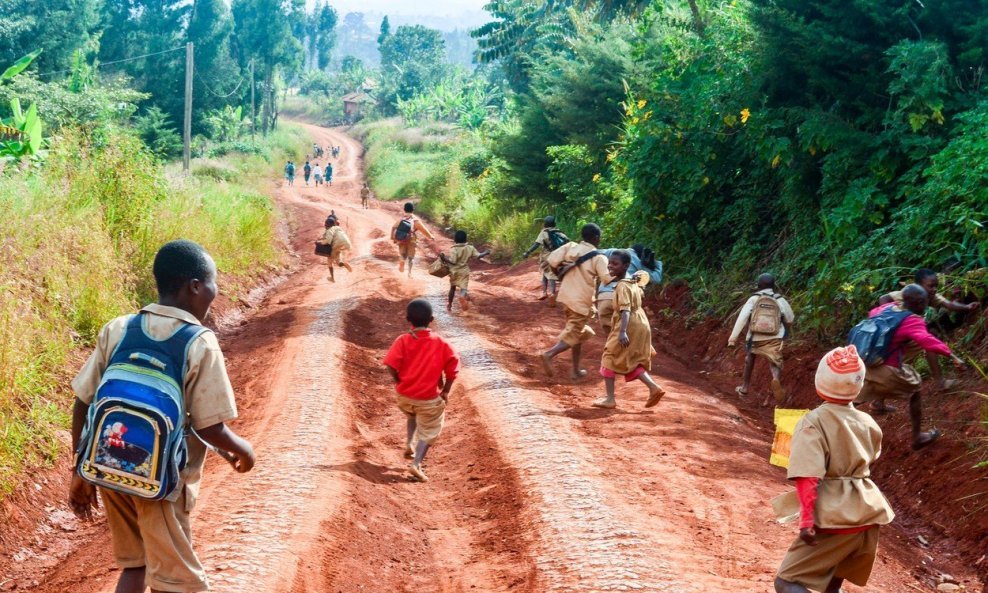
<point>697,19</point>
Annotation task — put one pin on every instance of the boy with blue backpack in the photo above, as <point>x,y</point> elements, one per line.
<point>152,398</point>
<point>882,340</point>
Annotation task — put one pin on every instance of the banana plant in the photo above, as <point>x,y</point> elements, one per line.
<point>20,134</point>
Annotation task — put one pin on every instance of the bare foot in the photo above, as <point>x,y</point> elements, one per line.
<point>409,451</point>
<point>546,363</point>
<point>778,391</point>
<point>347,266</point>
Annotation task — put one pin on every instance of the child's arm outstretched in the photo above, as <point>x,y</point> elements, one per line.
<point>220,436</point>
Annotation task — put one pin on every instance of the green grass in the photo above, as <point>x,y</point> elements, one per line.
<point>424,163</point>
<point>76,250</point>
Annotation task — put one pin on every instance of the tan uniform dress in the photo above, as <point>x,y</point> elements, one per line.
<point>624,359</point>
<point>337,238</point>
<point>406,249</point>
<point>837,444</point>
<point>577,289</point>
<point>543,240</point>
<point>157,534</point>
<point>459,270</point>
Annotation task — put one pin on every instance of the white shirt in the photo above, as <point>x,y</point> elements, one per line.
<point>745,315</point>
<point>317,170</point>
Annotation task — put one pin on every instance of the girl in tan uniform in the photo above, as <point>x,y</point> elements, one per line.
<point>337,238</point>
<point>628,350</point>
<point>459,271</point>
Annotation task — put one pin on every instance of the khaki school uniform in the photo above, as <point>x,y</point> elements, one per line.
<point>157,534</point>
<point>544,240</point>
<point>406,249</point>
<point>337,238</point>
<point>837,444</point>
<point>429,415</point>
<point>459,270</point>
<point>638,353</point>
<point>768,347</point>
<point>577,289</point>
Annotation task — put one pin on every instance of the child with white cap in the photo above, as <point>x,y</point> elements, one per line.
<point>833,448</point>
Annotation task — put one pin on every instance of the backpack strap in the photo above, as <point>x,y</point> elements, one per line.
<point>580,261</point>
<point>138,347</point>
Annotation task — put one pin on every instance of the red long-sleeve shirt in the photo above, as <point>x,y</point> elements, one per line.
<point>912,328</point>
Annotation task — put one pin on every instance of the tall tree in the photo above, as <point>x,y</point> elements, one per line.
<point>385,30</point>
<point>412,60</point>
<point>59,27</point>
<point>217,74</point>
<point>326,31</point>
<point>263,32</point>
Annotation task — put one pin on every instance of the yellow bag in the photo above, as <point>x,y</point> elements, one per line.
<point>785,425</point>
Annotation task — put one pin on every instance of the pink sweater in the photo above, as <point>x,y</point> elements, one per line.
<point>912,328</point>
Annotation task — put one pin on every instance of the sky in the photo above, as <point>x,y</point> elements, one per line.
<point>408,7</point>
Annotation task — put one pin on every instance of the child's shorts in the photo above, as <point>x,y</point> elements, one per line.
<point>429,414</point>
<point>157,536</point>
<point>577,330</point>
<point>406,249</point>
<point>847,556</point>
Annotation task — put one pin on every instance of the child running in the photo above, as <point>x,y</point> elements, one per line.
<point>549,239</point>
<point>628,350</point>
<point>405,234</point>
<point>336,238</point>
<point>767,317</point>
<point>423,367</point>
<point>459,270</point>
<point>152,540</point>
<point>833,448</point>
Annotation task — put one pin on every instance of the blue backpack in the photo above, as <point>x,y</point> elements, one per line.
<point>873,336</point>
<point>134,438</point>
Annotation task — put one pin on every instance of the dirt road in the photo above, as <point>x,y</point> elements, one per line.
<point>532,489</point>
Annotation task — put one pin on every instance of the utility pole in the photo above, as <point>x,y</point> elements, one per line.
<point>189,65</point>
<point>253,121</point>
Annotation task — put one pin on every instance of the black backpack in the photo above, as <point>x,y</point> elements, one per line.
<point>404,230</point>
<point>873,336</point>
<point>556,239</point>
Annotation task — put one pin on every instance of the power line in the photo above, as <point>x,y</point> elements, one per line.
<point>102,64</point>
<point>212,92</point>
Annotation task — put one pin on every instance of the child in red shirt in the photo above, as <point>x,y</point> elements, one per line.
<point>423,367</point>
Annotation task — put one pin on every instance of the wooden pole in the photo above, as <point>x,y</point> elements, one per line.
<point>253,117</point>
<point>187,128</point>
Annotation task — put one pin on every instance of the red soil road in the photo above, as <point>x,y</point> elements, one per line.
<point>531,490</point>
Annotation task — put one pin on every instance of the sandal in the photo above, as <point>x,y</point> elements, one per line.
<point>926,439</point>
<point>603,403</point>
<point>654,397</point>
<point>740,391</point>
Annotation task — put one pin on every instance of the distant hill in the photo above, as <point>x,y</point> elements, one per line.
<point>357,34</point>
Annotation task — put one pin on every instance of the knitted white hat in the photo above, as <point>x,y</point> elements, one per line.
<point>840,375</point>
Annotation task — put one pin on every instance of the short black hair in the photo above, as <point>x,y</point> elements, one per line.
<point>622,254</point>
<point>549,222</point>
<point>176,263</point>
<point>460,236</point>
<point>589,231</point>
<point>914,293</point>
<point>639,250</point>
<point>409,207</point>
<point>766,281</point>
<point>330,221</point>
<point>419,313</point>
<point>922,274</point>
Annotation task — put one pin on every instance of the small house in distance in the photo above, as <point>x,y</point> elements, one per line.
<point>353,104</point>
